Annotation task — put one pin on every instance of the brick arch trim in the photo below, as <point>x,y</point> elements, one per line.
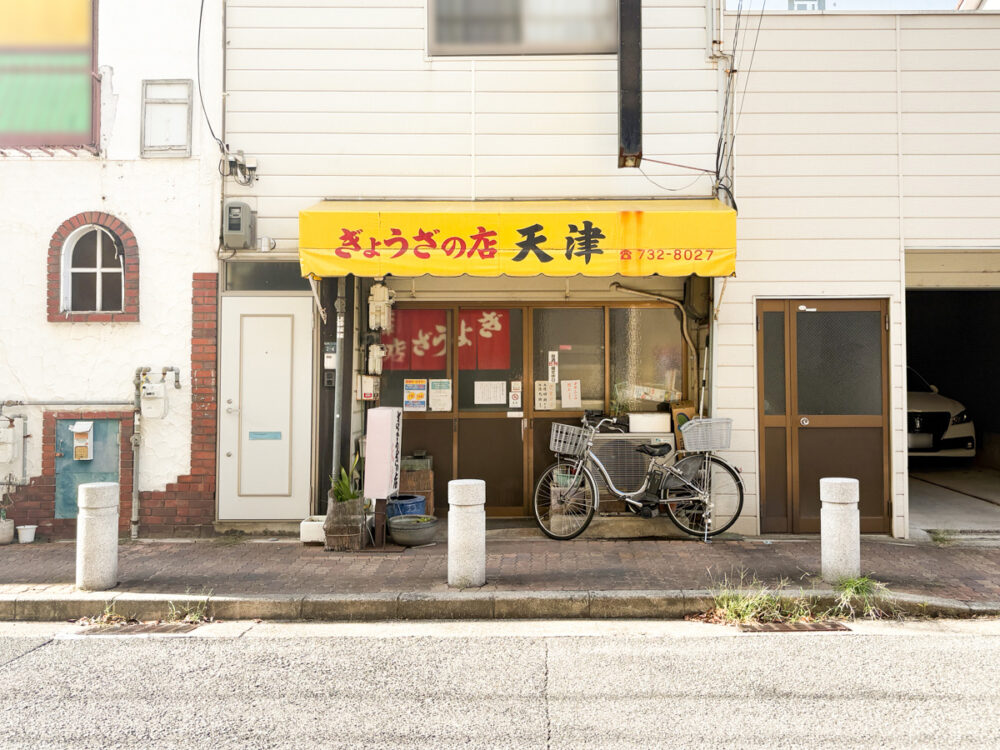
<point>130,268</point>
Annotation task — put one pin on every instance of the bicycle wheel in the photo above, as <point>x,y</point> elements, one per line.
<point>564,500</point>
<point>715,497</point>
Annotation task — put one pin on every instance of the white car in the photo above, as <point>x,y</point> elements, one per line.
<point>936,425</point>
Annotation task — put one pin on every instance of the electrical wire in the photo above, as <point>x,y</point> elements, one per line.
<point>201,97</point>
<point>680,166</point>
<point>673,190</point>
<point>746,83</point>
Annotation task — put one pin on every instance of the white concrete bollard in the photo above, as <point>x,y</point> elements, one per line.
<point>466,533</point>
<point>840,528</point>
<point>97,536</point>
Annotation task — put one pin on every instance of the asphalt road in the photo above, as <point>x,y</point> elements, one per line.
<point>509,685</point>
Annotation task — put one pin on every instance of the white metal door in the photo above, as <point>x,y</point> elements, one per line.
<point>265,408</point>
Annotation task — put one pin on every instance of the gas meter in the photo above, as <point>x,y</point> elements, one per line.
<point>153,400</point>
<point>379,307</point>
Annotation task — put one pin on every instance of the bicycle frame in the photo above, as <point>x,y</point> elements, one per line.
<point>627,497</point>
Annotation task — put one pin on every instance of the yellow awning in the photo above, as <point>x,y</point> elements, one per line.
<point>518,238</point>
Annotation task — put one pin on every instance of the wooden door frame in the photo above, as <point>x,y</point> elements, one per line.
<point>789,420</point>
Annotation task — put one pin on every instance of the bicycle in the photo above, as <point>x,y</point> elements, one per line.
<point>701,493</point>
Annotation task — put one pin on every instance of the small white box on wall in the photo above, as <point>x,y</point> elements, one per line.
<point>383,451</point>
<point>83,441</point>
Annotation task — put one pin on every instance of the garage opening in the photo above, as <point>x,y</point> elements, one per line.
<point>953,411</point>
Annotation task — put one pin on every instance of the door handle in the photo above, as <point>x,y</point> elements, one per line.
<point>231,410</point>
<point>804,421</point>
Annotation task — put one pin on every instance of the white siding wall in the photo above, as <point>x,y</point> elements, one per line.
<point>338,98</point>
<point>858,136</point>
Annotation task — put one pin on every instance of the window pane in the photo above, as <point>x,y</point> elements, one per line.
<point>523,26</point>
<point>575,336</point>
<point>418,344</point>
<point>490,354</point>
<point>264,277</point>
<point>839,361</point>
<point>111,291</point>
<point>647,358</point>
<point>83,291</point>
<point>774,362</point>
<point>85,250</point>
<point>163,90</point>
<point>110,256</point>
<point>166,126</point>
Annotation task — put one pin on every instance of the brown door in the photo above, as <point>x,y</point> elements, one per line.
<point>823,405</point>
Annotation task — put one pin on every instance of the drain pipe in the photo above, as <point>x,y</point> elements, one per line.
<point>617,287</point>
<point>136,441</point>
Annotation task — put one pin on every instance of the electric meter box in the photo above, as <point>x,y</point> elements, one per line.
<point>239,226</point>
<point>11,437</point>
<point>83,441</point>
<point>153,400</point>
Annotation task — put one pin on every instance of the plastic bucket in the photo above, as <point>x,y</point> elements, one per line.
<point>406,505</point>
<point>26,534</point>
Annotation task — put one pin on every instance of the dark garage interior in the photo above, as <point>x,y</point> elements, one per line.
<point>952,341</point>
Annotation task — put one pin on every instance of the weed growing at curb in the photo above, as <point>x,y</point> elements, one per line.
<point>940,537</point>
<point>192,612</point>
<point>746,599</point>
<point>864,597</point>
<point>743,600</point>
<point>108,618</point>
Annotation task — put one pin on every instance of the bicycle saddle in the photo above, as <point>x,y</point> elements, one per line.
<point>656,451</point>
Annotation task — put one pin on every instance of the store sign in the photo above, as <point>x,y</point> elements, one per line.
<point>673,238</point>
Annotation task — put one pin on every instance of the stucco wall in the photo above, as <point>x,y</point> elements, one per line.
<point>170,204</point>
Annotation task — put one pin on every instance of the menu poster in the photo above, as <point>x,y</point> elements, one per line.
<point>570,394</point>
<point>553,366</point>
<point>545,395</point>
<point>415,394</point>
<point>490,392</point>
<point>439,397</point>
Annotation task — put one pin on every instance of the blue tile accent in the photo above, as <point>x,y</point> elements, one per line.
<point>70,474</point>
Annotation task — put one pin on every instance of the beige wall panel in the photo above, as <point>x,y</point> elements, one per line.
<point>304,16</point>
<point>789,206</point>
<point>856,123</point>
<point>945,81</point>
<point>349,80</point>
<point>620,186</point>
<point>951,59</point>
<point>326,38</point>
<point>353,143</point>
<point>831,143</point>
<point>820,185</point>
<point>750,166</point>
<point>824,102</point>
<point>968,37</point>
<point>285,123</point>
<point>374,102</point>
<point>818,249</point>
<point>750,270</point>
<point>794,79</point>
<point>957,187</point>
<point>807,229</point>
<point>955,164</point>
<point>415,165</point>
<point>951,101</point>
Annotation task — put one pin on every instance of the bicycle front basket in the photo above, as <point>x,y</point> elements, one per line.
<point>568,440</point>
<point>709,434</point>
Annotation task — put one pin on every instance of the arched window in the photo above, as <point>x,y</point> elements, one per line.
<point>94,272</point>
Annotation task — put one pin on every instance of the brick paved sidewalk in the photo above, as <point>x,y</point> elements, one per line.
<point>286,568</point>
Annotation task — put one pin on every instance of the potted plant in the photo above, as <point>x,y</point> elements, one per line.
<point>345,513</point>
<point>6,524</point>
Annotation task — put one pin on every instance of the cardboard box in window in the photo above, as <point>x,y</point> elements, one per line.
<point>419,483</point>
<point>681,411</point>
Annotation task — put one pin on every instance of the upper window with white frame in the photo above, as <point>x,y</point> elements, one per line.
<point>522,27</point>
<point>93,274</point>
<point>166,118</point>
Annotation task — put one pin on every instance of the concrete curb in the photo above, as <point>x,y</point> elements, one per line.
<point>440,605</point>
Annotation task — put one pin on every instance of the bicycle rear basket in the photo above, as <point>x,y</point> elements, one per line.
<point>709,434</point>
<point>568,440</point>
